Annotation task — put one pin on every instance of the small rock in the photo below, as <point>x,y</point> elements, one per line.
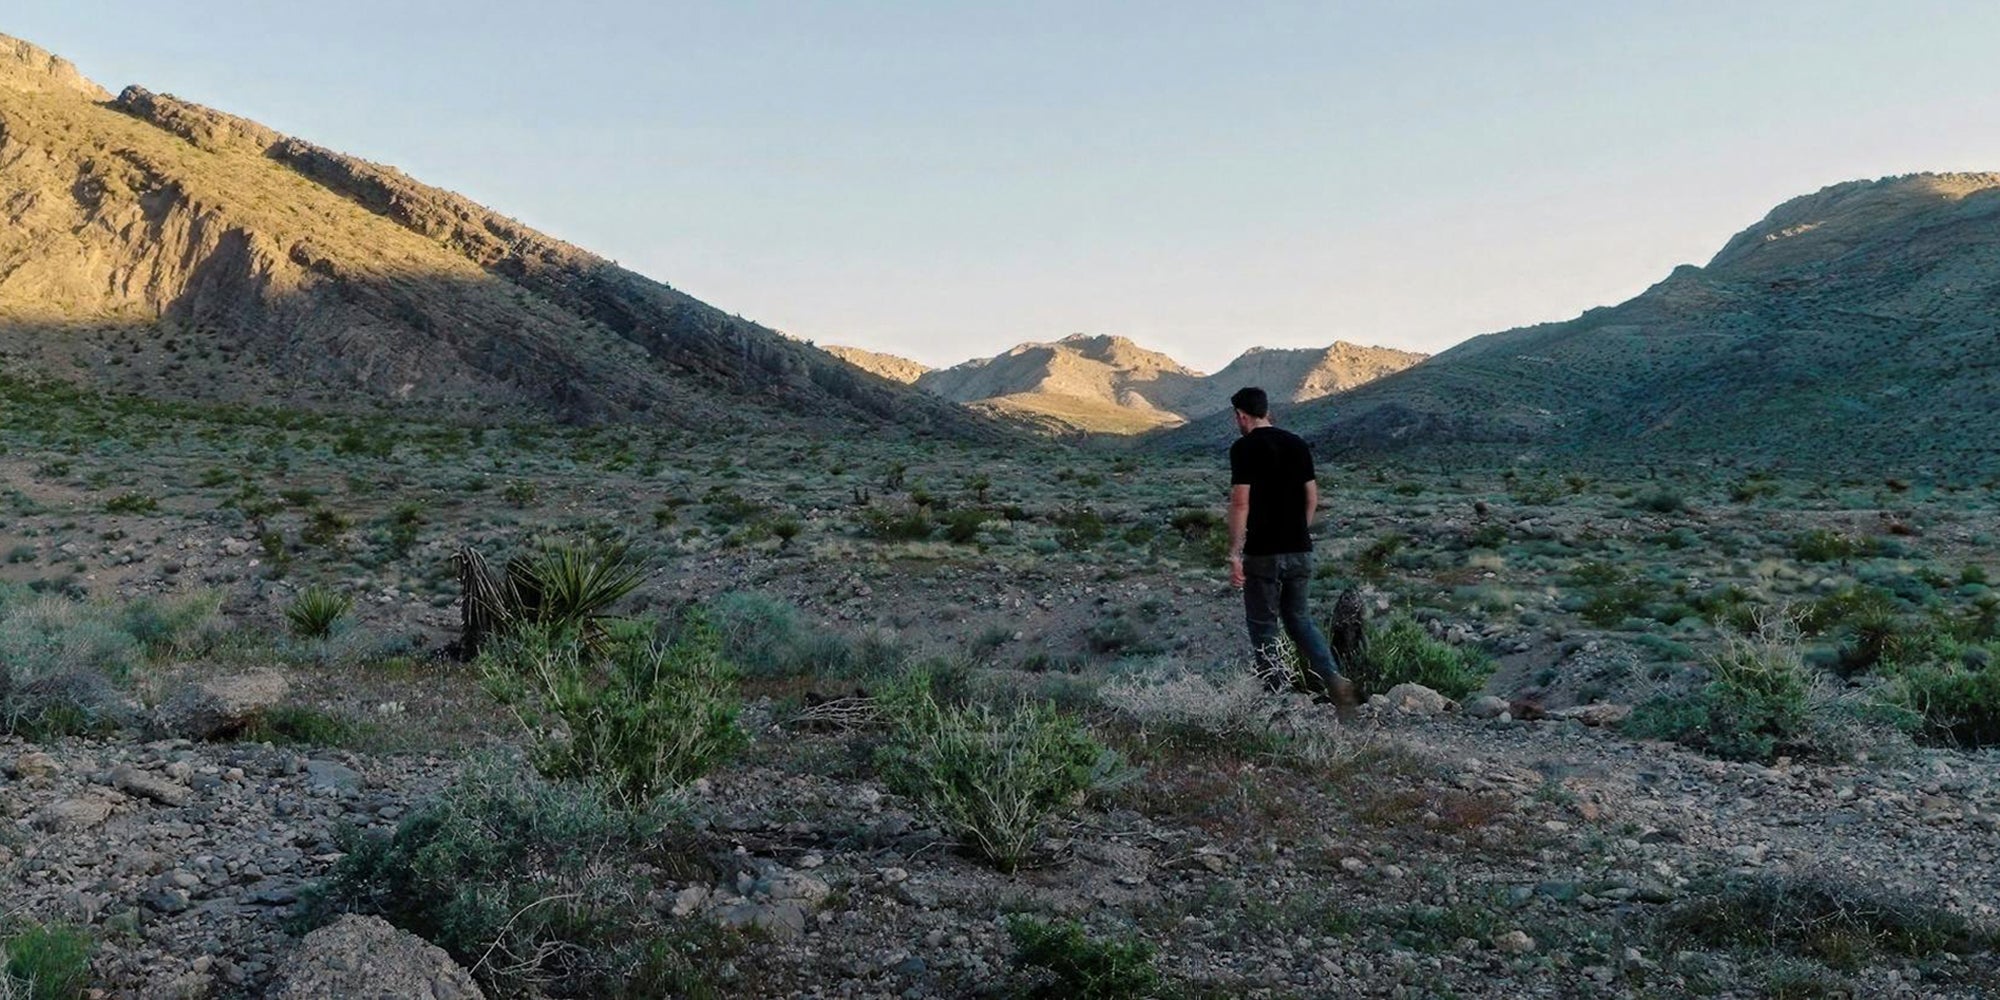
<point>79,813</point>
<point>1597,714</point>
<point>1515,943</point>
<point>783,919</point>
<point>33,767</point>
<point>326,774</point>
<point>146,784</point>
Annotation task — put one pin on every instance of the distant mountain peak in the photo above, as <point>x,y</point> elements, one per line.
<point>1111,384</point>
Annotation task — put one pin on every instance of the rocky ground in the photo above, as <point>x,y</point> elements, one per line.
<point>1425,855</point>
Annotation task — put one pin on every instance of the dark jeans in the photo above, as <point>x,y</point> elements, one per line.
<point>1274,593</point>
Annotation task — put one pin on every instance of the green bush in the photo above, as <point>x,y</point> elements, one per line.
<point>1822,545</point>
<point>1372,562</point>
<point>61,662</point>
<point>992,779</point>
<point>131,503</point>
<point>1400,652</point>
<point>538,886</point>
<point>1067,962</point>
<point>316,610</point>
<point>45,962</point>
<point>912,524</point>
<point>1956,703</point>
<point>635,715</point>
<point>1759,703</point>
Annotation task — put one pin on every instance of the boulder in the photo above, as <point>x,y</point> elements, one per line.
<point>219,707</point>
<point>1416,699</point>
<point>364,958</point>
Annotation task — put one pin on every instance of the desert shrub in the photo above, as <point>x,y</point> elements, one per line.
<point>1400,651</point>
<point>324,526</point>
<point>762,634</point>
<point>1832,612</point>
<point>316,610</point>
<point>538,887</point>
<point>61,662</point>
<point>633,714</point>
<point>1821,545</point>
<point>994,779</point>
<point>1843,924</point>
<point>1079,528</point>
<point>173,626</point>
<point>298,725</point>
<point>44,962</point>
<point>912,524</point>
<point>1763,700</point>
<point>520,493</point>
<point>1956,703</point>
<point>404,523</point>
<point>1661,502</point>
<point>1233,712</point>
<point>131,503</point>
<point>1372,562</point>
<point>1065,962</point>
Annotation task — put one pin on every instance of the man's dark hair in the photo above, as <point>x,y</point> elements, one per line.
<point>1252,401</point>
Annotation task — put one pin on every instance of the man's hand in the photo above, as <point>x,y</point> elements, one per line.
<point>1236,571</point>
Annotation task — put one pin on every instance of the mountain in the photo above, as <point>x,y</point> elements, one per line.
<point>1296,375</point>
<point>1857,329</point>
<point>160,247</point>
<point>1107,384</point>
<point>889,366</point>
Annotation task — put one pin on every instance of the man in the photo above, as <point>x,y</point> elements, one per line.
<point>1273,495</point>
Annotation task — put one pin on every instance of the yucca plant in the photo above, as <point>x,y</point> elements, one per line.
<point>316,610</point>
<point>568,587</point>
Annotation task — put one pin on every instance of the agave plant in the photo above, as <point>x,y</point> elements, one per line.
<point>313,614</point>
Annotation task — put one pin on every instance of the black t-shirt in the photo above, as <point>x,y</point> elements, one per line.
<point>1276,465</point>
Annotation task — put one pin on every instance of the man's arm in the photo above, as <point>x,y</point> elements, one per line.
<point>1239,529</point>
<point>1312,500</point>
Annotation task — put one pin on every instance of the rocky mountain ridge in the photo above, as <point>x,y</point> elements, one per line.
<point>161,247</point>
<point>1109,384</point>
<point>1854,327</point>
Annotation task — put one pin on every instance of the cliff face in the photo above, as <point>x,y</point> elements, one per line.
<point>159,246</point>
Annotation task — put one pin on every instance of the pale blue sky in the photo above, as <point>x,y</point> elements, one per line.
<point>945,180</point>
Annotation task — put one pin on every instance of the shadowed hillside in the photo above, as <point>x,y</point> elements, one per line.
<point>1858,327</point>
<point>161,246</point>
